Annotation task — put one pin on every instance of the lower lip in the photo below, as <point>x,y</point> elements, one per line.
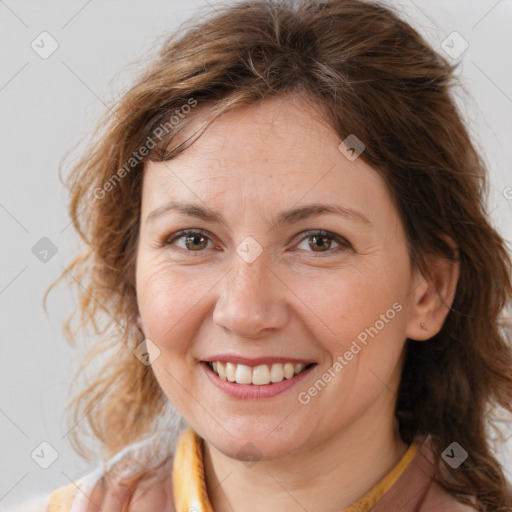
<point>252,391</point>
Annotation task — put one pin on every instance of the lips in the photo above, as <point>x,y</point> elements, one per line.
<point>256,391</point>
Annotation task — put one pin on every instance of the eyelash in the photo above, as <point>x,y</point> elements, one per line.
<point>343,243</point>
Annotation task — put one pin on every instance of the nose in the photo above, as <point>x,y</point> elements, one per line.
<point>252,300</point>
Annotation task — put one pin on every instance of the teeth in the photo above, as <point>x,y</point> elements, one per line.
<point>276,373</point>
<point>257,375</point>
<point>289,370</point>
<point>260,375</point>
<point>243,374</point>
<point>220,370</point>
<point>230,371</point>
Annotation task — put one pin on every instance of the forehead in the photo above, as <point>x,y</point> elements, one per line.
<point>276,153</point>
<point>276,130</point>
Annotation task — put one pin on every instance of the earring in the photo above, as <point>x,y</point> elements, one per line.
<point>423,327</point>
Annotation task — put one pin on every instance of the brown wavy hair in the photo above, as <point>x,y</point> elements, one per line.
<point>372,75</point>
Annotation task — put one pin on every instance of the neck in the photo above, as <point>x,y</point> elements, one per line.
<point>329,476</point>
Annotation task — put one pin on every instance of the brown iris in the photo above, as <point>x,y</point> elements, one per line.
<point>196,241</point>
<point>321,241</point>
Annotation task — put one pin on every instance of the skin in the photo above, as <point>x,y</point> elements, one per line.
<point>250,164</point>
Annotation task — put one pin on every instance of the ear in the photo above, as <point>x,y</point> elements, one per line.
<point>432,297</point>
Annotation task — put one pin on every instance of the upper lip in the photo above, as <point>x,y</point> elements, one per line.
<point>227,358</point>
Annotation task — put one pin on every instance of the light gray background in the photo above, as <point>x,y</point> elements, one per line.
<point>47,105</point>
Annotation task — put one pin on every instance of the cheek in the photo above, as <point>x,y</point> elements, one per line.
<point>170,300</point>
<point>363,320</point>
<point>348,303</point>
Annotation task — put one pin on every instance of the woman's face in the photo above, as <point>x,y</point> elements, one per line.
<point>256,283</point>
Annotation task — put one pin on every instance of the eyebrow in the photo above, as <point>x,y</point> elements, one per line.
<point>283,217</point>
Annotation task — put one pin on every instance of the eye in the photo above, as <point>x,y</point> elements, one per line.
<point>318,241</point>
<point>321,241</point>
<point>191,240</point>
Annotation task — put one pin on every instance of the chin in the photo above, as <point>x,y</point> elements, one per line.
<point>252,444</point>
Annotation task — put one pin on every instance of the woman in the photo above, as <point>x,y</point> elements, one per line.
<point>287,241</point>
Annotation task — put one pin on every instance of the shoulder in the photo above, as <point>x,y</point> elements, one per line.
<point>140,474</point>
<point>436,498</point>
<point>417,490</point>
<point>112,494</point>
<point>440,500</point>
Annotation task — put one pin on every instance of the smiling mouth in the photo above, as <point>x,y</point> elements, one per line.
<point>260,375</point>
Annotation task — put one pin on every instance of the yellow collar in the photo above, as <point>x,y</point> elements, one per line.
<point>190,486</point>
